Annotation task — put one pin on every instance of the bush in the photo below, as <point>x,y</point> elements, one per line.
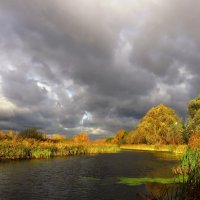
<point>57,138</point>
<point>31,133</point>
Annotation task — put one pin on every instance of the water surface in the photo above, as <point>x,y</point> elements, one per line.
<point>83,177</point>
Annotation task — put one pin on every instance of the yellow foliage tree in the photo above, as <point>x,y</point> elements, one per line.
<point>193,121</point>
<point>161,125</point>
<point>119,137</point>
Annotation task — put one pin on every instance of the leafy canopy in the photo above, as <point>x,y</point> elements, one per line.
<point>161,125</point>
<point>193,122</point>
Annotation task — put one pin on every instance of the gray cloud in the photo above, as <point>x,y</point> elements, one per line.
<point>63,59</point>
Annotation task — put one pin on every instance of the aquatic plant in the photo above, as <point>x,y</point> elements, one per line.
<point>188,172</point>
<point>140,181</point>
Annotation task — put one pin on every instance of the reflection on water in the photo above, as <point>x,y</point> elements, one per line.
<point>166,155</point>
<point>82,177</point>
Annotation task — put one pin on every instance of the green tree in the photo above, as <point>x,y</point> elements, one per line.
<point>193,121</point>
<point>193,125</point>
<point>194,106</point>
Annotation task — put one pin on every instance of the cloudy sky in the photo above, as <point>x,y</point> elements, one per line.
<point>95,65</point>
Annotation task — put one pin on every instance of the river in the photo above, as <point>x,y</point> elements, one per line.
<point>91,177</point>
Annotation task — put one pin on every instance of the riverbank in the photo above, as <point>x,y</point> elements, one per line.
<point>35,149</point>
<point>178,149</point>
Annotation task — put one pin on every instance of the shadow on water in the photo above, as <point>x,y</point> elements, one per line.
<point>84,177</point>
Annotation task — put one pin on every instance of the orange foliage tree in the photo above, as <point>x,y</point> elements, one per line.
<point>81,137</point>
<point>194,141</point>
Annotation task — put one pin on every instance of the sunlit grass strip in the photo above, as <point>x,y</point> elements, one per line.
<point>164,148</point>
<point>140,181</point>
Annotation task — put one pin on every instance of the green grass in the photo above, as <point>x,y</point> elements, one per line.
<point>190,164</point>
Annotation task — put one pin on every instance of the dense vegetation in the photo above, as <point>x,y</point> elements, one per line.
<point>188,177</point>
<point>31,143</point>
<point>162,126</point>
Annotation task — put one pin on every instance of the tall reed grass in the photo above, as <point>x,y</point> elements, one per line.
<point>32,148</point>
<point>188,174</point>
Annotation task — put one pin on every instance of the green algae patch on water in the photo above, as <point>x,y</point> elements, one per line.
<point>141,181</point>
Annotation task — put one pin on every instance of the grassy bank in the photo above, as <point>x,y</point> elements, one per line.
<point>31,148</point>
<point>164,148</point>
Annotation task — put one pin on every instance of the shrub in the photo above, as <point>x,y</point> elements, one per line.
<point>57,137</point>
<point>31,133</point>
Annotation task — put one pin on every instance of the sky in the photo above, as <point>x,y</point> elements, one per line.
<point>95,66</point>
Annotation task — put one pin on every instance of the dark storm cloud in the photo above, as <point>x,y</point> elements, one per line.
<point>95,65</point>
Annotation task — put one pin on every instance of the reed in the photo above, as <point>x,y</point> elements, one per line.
<point>190,164</point>
<point>32,148</point>
<point>187,182</point>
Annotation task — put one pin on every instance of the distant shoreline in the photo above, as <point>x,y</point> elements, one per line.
<point>178,149</point>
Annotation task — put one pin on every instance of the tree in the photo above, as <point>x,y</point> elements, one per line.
<point>81,137</point>
<point>194,141</point>
<point>119,137</point>
<point>193,121</point>
<point>161,125</point>
<point>193,125</point>
<point>134,137</point>
<point>194,106</point>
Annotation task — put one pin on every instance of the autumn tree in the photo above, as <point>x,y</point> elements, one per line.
<point>120,136</point>
<point>194,106</point>
<point>161,125</point>
<point>135,137</point>
<point>81,137</point>
<point>194,141</point>
<point>193,121</point>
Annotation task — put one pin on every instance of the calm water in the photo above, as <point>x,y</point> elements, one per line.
<point>82,177</point>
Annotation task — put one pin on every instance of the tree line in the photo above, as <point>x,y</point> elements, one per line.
<point>162,125</point>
